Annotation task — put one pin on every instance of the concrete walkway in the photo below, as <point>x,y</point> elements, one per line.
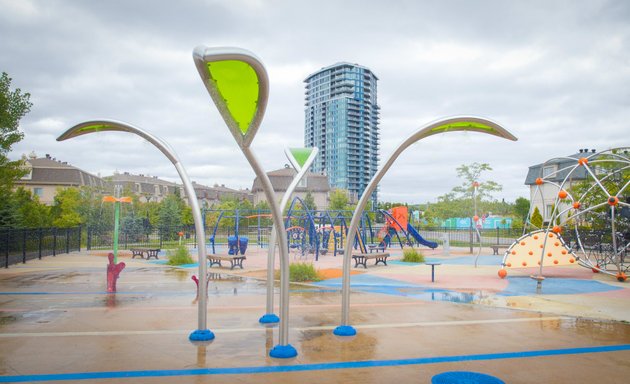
<point>57,324</point>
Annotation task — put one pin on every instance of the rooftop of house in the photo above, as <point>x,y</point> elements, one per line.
<point>282,178</point>
<point>48,170</point>
<point>563,165</point>
<point>131,178</point>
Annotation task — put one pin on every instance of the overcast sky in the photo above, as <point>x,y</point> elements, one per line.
<point>555,73</point>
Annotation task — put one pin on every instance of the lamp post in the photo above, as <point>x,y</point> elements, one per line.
<point>450,124</point>
<point>238,84</point>
<point>202,333</point>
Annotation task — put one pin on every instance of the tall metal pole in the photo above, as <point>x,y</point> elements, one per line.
<point>301,168</point>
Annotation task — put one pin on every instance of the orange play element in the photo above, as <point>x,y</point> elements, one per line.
<point>112,199</point>
<point>621,277</point>
<point>401,214</point>
<point>531,249</point>
<point>596,269</point>
<point>475,218</point>
<point>563,194</point>
<point>539,181</point>
<point>577,205</point>
<point>557,229</point>
<point>613,201</point>
<point>502,273</point>
<point>583,160</point>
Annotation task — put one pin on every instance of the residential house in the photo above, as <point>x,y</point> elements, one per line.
<point>47,174</point>
<point>280,179</point>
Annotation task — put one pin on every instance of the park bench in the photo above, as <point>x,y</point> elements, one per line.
<point>235,260</point>
<point>151,252</point>
<point>362,258</point>
<point>376,247</point>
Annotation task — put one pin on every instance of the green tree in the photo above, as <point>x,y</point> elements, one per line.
<point>32,213</point>
<point>65,210</point>
<point>339,200</point>
<point>13,106</point>
<point>472,174</point>
<point>536,220</point>
<point>94,213</point>
<point>521,209</point>
<point>309,201</point>
<point>170,215</point>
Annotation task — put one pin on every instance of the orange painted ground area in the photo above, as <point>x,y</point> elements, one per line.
<point>333,273</point>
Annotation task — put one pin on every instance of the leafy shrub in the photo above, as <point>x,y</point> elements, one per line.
<point>179,256</point>
<point>301,272</point>
<point>411,255</point>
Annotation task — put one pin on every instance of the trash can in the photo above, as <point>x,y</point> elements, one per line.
<point>232,245</point>
<point>242,244</point>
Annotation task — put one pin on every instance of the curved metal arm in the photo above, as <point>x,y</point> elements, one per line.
<point>450,124</point>
<point>117,126</point>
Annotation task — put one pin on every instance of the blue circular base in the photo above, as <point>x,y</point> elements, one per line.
<point>345,330</point>
<point>201,335</point>
<point>269,318</point>
<point>283,351</point>
<point>464,377</point>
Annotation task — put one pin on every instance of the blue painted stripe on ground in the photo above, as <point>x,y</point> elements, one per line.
<point>311,367</point>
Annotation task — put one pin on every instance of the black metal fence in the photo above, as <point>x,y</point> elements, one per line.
<point>141,238</point>
<point>20,245</point>
<point>469,237</point>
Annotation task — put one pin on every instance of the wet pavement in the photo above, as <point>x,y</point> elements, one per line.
<point>57,324</point>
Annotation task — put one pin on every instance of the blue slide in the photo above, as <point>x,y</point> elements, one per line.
<point>412,231</point>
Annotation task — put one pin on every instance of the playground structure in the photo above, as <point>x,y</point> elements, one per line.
<point>590,221</point>
<point>236,244</point>
<point>397,220</point>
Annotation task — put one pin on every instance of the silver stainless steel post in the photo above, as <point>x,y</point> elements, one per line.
<point>284,246</point>
<point>450,124</point>
<point>301,168</point>
<point>238,84</point>
<point>103,125</point>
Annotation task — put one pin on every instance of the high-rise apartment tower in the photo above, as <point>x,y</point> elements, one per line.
<point>341,119</point>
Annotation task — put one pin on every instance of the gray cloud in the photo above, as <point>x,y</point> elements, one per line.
<point>554,73</point>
